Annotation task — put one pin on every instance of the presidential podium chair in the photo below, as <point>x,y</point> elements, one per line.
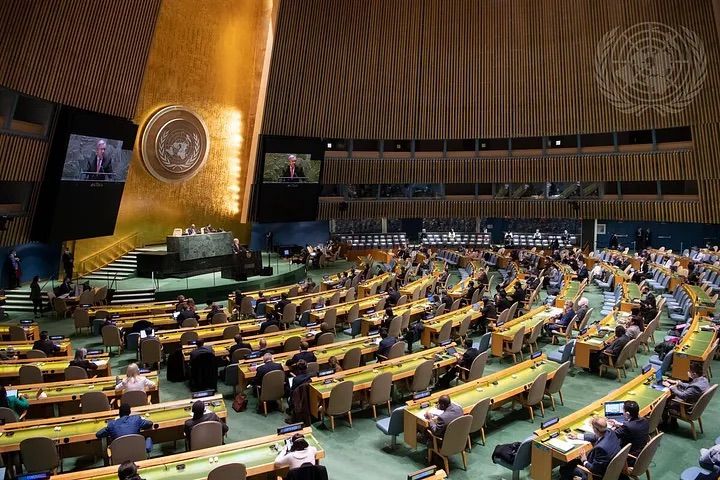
<point>392,426</point>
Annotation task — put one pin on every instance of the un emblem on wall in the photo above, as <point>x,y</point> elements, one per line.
<point>650,66</point>
<point>175,144</point>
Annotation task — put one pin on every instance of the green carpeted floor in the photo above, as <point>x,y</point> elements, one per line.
<point>356,453</point>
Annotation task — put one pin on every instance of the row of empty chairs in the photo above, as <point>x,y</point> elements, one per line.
<point>545,240</point>
<point>435,239</point>
<point>375,240</point>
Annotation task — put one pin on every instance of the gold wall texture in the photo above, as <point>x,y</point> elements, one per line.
<point>207,56</point>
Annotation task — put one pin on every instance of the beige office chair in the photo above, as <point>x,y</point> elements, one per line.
<point>515,347</point>
<point>92,402</point>
<point>330,318</point>
<point>39,454</point>
<point>479,417</point>
<point>380,392</point>
<point>128,448</point>
<point>134,398</point>
<point>240,354</point>
<point>230,332</point>
<point>150,351</point>
<point>555,385</point>
<point>533,397</point>
<point>395,326</point>
<point>272,329</point>
<point>443,334</point>
<point>340,402</point>
<point>423,376</point>
<point>229,471</point>
<point>189,323</point>
<point>614,468</point>
<point>206,435</point>
<point>476,369</point>
<point>188,337</point>
<point>34,354</point>
<point>17,334</point>
<point>325,339</point>
<point>292,344</point>
<point>8,415</point>
<point>619,365</point>
<point>397,350</point>
<point>81,319</point>
<point>218,318</point>
<point>75,373</point>
<point>463,329</point>
<point>272,389</point>
<point>655,417</point>
<point>690,413</point>
<point>30,374</point>
<point>352,358</point>
<point>111,338</point>
<point>644,459</point>
<point>453,442</point>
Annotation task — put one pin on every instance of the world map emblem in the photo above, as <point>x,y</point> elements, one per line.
<point>175,144</point>
<point>651,67</point>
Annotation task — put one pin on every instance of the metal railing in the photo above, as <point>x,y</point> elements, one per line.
<point>109,254</point>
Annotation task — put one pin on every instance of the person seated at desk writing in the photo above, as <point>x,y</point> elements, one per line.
<point>635,327</point>
<point>133,381</point>
<point>634,430</point>
<point>605,444</point>
<point>386,342</point>
<point>301,376</point>
<point>81,361</point>
<point>46,345</point>
<point>304,354</point>
<point>187,311</point>
<point>65,288</point>
<point>438,422</point>
<point>200,415</point>
<point>562,320</point>
<point>685,392</point>
<point>297,454</point>
<point>126,424</point>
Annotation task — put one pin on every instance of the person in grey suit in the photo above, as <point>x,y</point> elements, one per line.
<point>688,392</point>
<point>438,423</point>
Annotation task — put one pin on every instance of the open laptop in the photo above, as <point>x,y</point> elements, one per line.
<point>615,411</point>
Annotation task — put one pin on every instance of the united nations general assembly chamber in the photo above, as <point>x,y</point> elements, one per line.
<point>359,239</point>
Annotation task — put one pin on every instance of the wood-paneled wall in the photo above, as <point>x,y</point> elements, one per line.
<point>663,211</point>
<point>463,68</point>
<point>89,54</point>
<point>588,168</point>
<point>85,53</point>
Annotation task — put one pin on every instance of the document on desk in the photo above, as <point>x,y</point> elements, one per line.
<point>560,444</point>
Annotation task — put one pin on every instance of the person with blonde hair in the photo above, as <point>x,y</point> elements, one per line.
<point>133,381</point>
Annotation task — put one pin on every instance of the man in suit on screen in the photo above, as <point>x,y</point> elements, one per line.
<point>99,165</point>
<point>293,171</point>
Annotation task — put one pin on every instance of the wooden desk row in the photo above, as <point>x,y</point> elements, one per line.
<point>135,309</point>
<point>696,346</point>
<point>371,286</point>
<point>63,397</point>
<point>160,321</point>
<point>76,433</point>
<point>271,293</point>
<point>500,387</point>
<point>549,452</point>
<point>597,337</point>
<point>342,309</point>
<point>257,454</point>
<point>528,321</point>
<point>32,330</point>
<point>432,326</point>
<point>20,348</point>
<point>362,377</point>
<point>373,320</point>
<point>52,368</point>
<point>571,290</point>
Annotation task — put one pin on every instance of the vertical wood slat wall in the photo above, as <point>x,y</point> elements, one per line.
<point>89,54</point>
<point>397,69</point>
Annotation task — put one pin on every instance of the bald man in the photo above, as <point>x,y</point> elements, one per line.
<point>449,412</point>
<point>606,445</point>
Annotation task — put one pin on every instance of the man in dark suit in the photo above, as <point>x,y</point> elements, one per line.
<point>465,360</point>
<point>301,376</point>
<point>293,172</point>
<point>471,290</point>
<point>634,430</point>
<point>271,318</point>
<point>280,306</point>
<point>393,296</point>
<point>562,321</point>
<point>187,311</point>
<point>605,446</point>
<point>46,345</point>
<point>199,415</point>
<point>239,344</point>
<point>386,343</point>
<point>303,354</point>
<point>68,262</point>
<point>99,163</point>
<point>613,350</point>
<point>269,365</point>
<point>200,350</point>
<point>648,305</point>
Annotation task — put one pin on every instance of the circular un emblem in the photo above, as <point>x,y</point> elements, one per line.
<point>650,66</point>
<point>175,144</point>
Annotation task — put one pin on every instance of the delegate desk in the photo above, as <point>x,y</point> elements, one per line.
<point>273,294</point>
<point>432,326</point>
<point>52,368</point>
<point>20,349</point>
<point>506,332</point>
<point>160,321</point>
<point>675,279</point>
<point>500,387</point>
<point>597,337</point>
<point>315,297</point>
<point>331,282</point>
<point>367,346</point>
<point>257,454</point>
<point>370,287</point>
<point>549,452</point>
<point>374,320</point>
<point>417,288</point>
<point>76,433</point>
<point>63,398</point>
<point>362,377</point>
<point>364,304</point>
<point>171,338</point>
<point>630,296</point>
<point>130,310</point>
<point>702,302</point>
<point>276,340</point>
<point>696,346</point>
<point>571,290</point>
<point>32,330</point>
<point>618,274</point>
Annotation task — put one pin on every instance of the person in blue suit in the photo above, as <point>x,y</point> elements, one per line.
<point>606,445</point>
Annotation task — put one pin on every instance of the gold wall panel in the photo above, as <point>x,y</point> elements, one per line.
<point>208,57</point>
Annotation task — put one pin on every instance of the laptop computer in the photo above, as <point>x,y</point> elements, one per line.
<point>615,411</point>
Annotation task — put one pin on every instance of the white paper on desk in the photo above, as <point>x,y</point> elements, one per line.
<point>559,444</point>
<point>435,411</point>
